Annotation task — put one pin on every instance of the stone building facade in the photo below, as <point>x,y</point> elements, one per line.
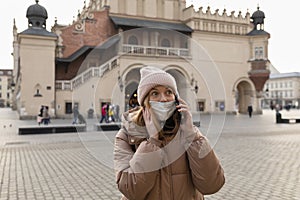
<point>6,87</point>
<point>282,89</point>
<point>219,59</point>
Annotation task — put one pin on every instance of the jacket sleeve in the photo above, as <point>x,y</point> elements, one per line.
<point>207,173</point>
<point>136,172</point>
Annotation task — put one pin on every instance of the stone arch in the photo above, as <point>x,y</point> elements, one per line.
<point>132,78</point>
<point>180,80</point>
<point>37,90</point>
<point>244,94</point>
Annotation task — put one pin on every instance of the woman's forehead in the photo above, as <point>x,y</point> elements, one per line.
<point>160,87</point>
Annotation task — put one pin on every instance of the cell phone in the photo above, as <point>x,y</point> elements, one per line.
<point>179,113</point>
<point>176,100</point>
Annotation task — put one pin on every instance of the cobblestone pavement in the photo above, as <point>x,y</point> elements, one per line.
<point>260,160</point>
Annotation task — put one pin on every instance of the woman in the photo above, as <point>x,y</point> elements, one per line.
<point>159,154</point>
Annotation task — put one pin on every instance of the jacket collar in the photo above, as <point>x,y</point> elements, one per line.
<point>131,127</point>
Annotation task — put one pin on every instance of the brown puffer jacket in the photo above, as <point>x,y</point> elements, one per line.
<point>149,169</point>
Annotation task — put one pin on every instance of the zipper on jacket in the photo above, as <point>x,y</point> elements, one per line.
<point>171,181</point>
<point>159,188</point>
<point>169,171</point>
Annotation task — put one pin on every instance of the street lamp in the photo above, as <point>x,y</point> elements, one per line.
<point>195,88</point>
<point>120,82</point>
<point>192,80</point>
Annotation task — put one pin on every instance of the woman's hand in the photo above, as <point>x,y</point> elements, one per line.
<point>150,125</point>
<point>186,120</point>
<point>186,125</point>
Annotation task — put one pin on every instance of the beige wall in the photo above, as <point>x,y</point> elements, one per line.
<point>4,88</point>
<point>164,9</point>
<point>230,55</point>
<point>38,72</point>
<point>62,97</point>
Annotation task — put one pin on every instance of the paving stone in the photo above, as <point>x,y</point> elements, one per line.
<point>260,160</point>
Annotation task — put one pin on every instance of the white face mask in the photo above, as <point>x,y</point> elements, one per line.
<point>162,110</point>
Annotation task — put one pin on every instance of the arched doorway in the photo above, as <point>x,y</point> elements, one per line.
<point>244,96</point>
<point>130,92</point>
<point>132,81</point>
<point>180,81</point>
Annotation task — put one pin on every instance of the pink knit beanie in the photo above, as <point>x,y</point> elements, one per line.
<point>151,77</point>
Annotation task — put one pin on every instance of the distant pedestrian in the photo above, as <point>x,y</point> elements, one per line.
<point>117,113</point>
<point>46,116</point>
<point>277,108</point>
<point>40,116</point>
<point>104,114</point>
<point>250,110</point>
<point>111,114</point>
<point>75,115</point>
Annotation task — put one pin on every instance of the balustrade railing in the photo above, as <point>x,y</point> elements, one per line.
<point>112,63</point>
<point>155,51</point>
<point>86,75</point>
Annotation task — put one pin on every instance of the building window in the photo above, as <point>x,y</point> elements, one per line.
<point>133,40</point>
<point>205,26</point>
<point>165,43</point>
<point>197,25</point>
<point>229,29</point>
<point>68,108</point>
<point>213,27</point>
<point>258,52</point>
<point>201,106</point>
<point>222,28</point>
<point>237,30</point>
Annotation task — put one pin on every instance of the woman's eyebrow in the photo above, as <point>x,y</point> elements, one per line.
<point>168,88</point>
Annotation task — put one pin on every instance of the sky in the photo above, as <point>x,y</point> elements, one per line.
<point>281,22</point>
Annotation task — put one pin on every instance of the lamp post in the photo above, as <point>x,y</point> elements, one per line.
<point>195,87</point>
<point>266,96</point>
<point>120,82</point>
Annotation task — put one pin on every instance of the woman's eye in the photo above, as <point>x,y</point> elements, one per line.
<point>153,93</point>
<point>169,92</point>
